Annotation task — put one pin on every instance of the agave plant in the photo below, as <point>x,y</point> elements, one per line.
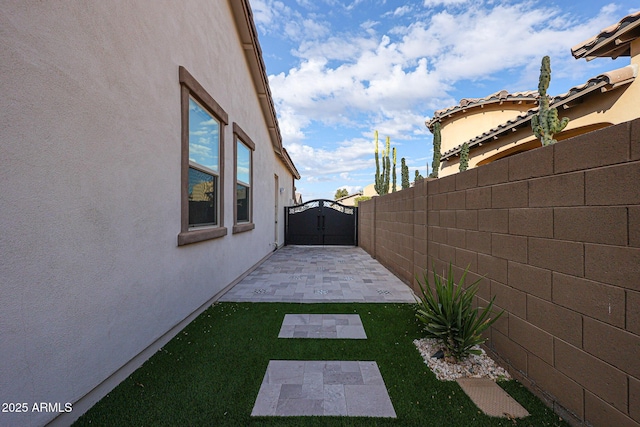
<point>450,318</point>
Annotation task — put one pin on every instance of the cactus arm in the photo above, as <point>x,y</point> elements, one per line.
<point>464,157</point>
<point>545,123</point>
<point>378,181</point>
<point>437,140</point>
<point>393,188</point>
<point>380,177</point>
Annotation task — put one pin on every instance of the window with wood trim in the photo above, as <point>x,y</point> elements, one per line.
<point>244,147</point>
<point>202,198</point>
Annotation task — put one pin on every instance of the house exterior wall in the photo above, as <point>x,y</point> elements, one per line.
<point>597,110</point>
<point>464,126</point>
<point>555,233</point>
<point>92,278</point>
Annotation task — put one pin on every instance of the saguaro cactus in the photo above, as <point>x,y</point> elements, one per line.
<point>437,142</point>
<point>545,124</point>
<point>405,174</point>
<point>464,157</point>
<point>393,189</point>
<point>382,179</point>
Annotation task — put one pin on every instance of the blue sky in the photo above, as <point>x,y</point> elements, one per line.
<point>339,70</point>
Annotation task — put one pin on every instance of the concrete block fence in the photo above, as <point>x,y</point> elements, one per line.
<point>555,232</point>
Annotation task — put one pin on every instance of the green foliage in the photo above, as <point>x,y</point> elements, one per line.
<point>437,146</point>
<point>464,157</point>
<point>382,179</point>
<point>418,176</point>
<point>545,124</point>
<point>340,192</point>
<point>405,174</point>
<point>449,316</point>
<point>360,199</point>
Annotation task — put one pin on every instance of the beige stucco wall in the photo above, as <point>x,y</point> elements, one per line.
<point>91,273</point>
<point>463,126</point>
<point>370,190</point>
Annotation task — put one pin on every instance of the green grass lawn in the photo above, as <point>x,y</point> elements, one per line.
<point>210,373</point>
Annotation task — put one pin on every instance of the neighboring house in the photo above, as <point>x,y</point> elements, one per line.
<point>142,174</point>
<point>349,200</point>
<point>368,191</point>
<point>504,119</point>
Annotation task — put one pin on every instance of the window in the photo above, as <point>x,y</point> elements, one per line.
<point>244,148</point>
<point>203,122</point>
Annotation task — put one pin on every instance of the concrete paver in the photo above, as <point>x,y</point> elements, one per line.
<point>340,326</point>
<point>491,399</point>
<point>312,274</point>
<point>340,388</point>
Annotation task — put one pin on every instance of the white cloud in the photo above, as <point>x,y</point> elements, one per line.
<point>434,3</point>
<point>263,13</point>
<point>328,164</point>
<point>377,74</point>
<point>402,125</point>
<point>387,77</point>
<point>399,11</point>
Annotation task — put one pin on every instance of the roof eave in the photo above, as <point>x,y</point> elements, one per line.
<point>521,121</point>
<point>249,38</point>
<point>612,41</point>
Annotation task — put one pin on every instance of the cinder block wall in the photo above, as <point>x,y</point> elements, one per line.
<point>556,233</point>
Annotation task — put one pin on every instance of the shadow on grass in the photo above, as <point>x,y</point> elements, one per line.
<point>210,373</point>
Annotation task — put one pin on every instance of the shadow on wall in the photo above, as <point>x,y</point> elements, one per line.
<point>555,232</point>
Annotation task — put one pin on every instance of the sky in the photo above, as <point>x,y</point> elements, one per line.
<point>339,70</point>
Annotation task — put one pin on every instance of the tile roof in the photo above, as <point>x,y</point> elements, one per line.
<point>495,98</point>
<point>613,41</point>
<point>606,81</point>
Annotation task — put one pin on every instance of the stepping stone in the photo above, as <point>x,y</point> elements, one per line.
<point>323,388</point>
<point>337,326</point>
<point>491,398</point>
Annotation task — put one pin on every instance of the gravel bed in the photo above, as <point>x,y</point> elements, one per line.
<point>472,367</point>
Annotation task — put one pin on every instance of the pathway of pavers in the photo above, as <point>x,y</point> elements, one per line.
<point>312,274</point>
<point>320,387</point>
<point>307,274</point>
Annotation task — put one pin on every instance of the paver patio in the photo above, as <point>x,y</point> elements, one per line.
<point>313,274</point>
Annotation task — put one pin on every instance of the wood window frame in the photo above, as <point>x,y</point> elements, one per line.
<point>241,137</point>
<point>190,88</point>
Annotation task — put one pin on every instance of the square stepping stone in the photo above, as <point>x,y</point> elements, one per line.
<point>491,399</point>
<point>323,388</point>
<point>337,326</point>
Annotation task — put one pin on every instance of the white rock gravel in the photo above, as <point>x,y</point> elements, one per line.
<point>472,367</point>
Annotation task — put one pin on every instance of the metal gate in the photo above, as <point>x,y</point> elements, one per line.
<point>321,222</point>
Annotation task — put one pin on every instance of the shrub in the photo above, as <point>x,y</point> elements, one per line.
<point>360,199</point>
<point>449,317</point>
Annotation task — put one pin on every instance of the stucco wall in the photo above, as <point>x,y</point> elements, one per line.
<point>556,233</point>
<point>464,126</point>
<point>91,274</point>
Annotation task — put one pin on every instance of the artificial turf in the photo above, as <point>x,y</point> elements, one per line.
<point>210,373</point>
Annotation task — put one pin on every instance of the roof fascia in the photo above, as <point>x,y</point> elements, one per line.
<point>249,38</point>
